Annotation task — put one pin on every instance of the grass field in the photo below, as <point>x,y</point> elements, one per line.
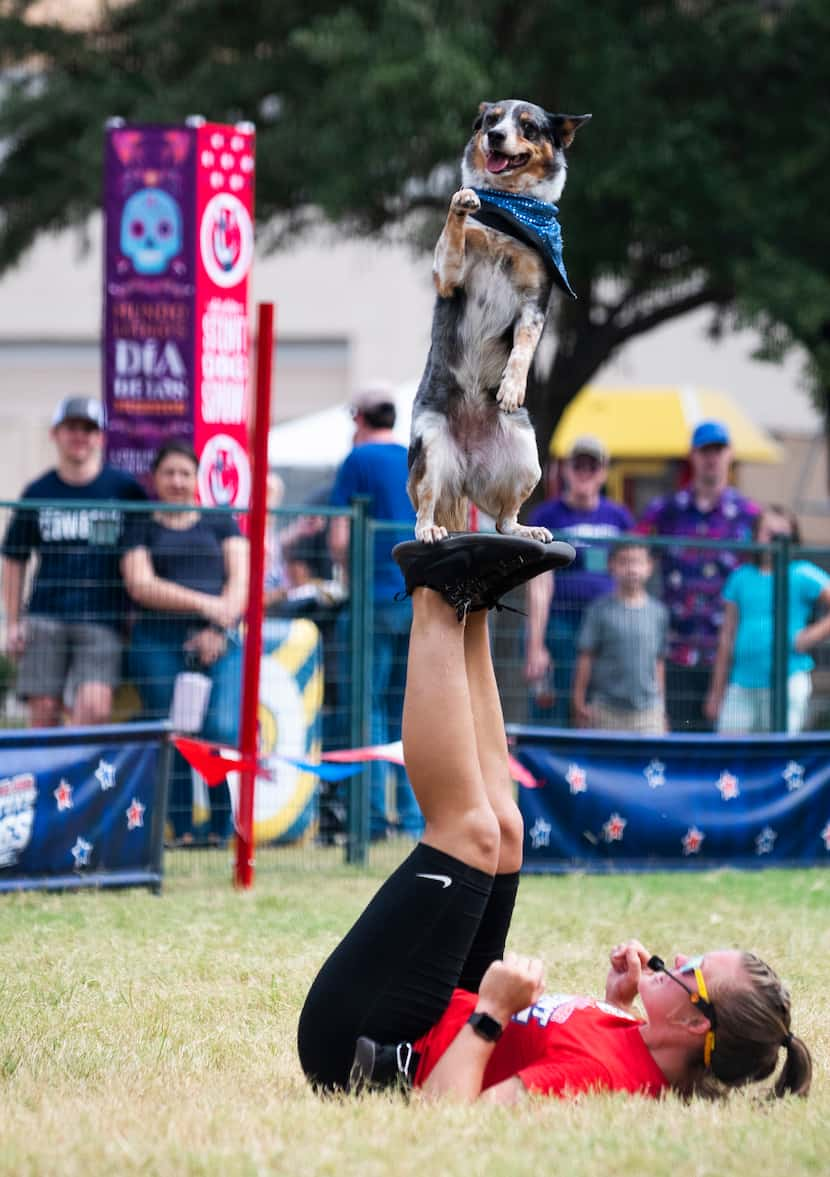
<point>155,1035</point>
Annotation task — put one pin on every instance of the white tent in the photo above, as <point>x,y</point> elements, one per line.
<point>322,440</point>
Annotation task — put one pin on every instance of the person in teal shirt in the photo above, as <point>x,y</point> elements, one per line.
<point>740,696</point>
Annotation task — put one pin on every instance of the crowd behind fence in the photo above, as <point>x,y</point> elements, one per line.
<point>318,649</point>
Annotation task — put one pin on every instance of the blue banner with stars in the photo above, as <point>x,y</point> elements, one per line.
<point>82,807</point>
<point>611,801</point>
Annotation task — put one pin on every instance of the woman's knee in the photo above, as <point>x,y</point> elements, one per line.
<point>511,836</point>
<point>471,836</point>
<point>511,828</point>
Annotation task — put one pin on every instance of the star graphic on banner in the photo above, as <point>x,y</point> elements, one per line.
<point>81,851</point>
<point>765,841</point>
<point>793,774</point>
<point>63,795</point>
<point>825,836</point>
<point>105,775</point>
<point>655,774</point>
<point>692,840</point>
<point>577,778</point>
<point>612,830</point>
<point>539,833</point>
<point>727,784</point>
<point>135,814</point>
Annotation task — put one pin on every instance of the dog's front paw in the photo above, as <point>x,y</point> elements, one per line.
<point>430,533</point>
<point>464,202</point>
<point>510,395</point>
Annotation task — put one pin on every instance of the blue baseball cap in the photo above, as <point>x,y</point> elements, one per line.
<point>710,433</point>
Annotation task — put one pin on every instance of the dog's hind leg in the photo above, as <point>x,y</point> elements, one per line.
<point>508,524</point>
<point>505,475</point>
<point>450,252</point>
<point>433,477</point>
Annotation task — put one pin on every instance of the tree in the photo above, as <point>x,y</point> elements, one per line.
<point>363,108</point>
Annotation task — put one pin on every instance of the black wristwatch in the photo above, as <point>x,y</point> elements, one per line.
<point>485,1026</point>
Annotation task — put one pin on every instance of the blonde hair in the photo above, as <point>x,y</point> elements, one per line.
<point>753,1025</point>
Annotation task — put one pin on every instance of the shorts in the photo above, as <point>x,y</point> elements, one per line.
<point>607,717</point>
<point>60,652</point>
<point>749,709</point>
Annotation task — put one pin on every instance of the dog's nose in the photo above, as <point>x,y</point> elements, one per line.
<point>495,138</point>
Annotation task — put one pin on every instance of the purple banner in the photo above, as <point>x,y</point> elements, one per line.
<point>149,291</point>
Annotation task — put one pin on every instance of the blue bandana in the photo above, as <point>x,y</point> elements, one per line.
<point>529,220</point>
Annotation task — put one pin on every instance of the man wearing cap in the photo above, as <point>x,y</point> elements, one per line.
<point>555,605</point>
<point>377,467</point>
<point>693,578</point>
<point>69,643</point>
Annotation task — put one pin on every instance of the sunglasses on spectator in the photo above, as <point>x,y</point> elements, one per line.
<point>700,997</point>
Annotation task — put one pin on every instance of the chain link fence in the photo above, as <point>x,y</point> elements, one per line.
<point>320,665</point>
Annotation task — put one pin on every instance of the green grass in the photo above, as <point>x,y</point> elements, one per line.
<point>156,1035</point>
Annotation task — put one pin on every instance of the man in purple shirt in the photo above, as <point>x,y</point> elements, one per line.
<point>693,578</point>
<point>555,607</point>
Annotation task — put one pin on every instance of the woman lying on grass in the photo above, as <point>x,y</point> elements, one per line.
<point>420,993</point>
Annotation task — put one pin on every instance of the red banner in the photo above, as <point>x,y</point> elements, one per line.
<point>225,250</point>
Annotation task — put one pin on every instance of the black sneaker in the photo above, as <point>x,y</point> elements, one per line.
<point>376,1067</point>
<point>558,554</point>
<point>473,570</point>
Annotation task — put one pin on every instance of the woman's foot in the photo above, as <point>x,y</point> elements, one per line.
<point>474,570</point>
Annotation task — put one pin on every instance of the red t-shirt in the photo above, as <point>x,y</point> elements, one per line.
<point>559,1046</point>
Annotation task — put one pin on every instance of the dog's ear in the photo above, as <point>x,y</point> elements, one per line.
<point>483,107</point>
<point>563,127</point>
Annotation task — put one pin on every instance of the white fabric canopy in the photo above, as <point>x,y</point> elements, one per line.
<point>324,439</point>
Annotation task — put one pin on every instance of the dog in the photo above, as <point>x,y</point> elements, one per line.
<point>494,271</point>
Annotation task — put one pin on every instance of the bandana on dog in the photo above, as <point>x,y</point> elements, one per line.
<point>532,221</point>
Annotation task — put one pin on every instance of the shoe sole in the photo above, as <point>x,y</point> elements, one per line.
<point>424,561</point>
<point>555,553</point>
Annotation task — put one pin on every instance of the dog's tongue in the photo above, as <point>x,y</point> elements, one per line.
<point>496,162</point>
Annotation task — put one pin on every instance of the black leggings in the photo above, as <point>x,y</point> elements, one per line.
<point>435,925</point>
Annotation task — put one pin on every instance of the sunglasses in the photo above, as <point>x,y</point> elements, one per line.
<point>700,998</point>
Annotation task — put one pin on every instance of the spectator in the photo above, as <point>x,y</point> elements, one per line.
<point>693,578</point>
<point>276,577</point>
<point>622,647</point>
<point>189,573</point>
<point>377,467</point>
<point>744,656</point>
<point>70,642</point>
<point>556,603</point>
<point>311,590</point>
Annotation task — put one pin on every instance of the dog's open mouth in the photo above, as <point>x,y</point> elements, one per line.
<point>497,161</point>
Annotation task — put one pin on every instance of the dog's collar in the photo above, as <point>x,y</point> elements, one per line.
<point>532,221</point>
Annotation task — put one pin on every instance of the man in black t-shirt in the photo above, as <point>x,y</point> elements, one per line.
<point>70,640</point>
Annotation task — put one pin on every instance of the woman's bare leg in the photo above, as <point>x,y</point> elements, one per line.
<point>440,738</point>
<point>491,742</point>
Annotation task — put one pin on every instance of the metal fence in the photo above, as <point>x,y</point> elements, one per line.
<point>317,694</point>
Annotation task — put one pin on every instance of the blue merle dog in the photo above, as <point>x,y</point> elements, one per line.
<point>497,261</point>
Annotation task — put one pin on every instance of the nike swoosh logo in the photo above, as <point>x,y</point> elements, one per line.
<point>444,880</point>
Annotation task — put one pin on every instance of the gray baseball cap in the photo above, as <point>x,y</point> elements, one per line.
<point>591,446</point>
<point>79,408</point>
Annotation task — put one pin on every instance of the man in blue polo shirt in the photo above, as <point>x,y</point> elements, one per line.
<point>377,467</point>
<point>69,642</point>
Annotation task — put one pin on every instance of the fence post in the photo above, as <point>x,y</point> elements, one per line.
<point>359,589</point>
<point>780,631</point>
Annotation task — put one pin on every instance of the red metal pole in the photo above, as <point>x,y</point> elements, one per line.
<point>256,568</point>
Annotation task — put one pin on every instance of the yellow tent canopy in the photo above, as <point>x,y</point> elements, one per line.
<point>657,422</point>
